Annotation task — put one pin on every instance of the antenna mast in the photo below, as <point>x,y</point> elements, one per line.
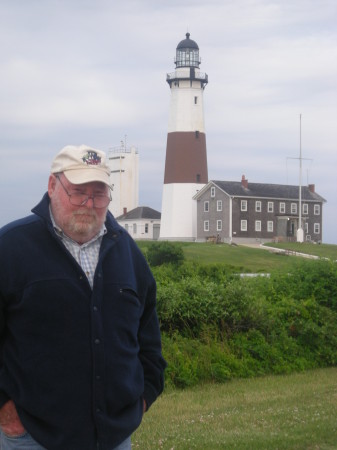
<point>300,229</point>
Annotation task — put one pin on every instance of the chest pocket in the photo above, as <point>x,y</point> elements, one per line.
<point>122,310</point>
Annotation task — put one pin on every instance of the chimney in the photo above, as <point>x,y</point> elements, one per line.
<point>311,188</point>
<point>244,182</point>
<point>125,210</point>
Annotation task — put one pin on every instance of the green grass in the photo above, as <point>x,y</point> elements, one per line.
<point>292,412</point>
<point>246,259</point>
<point>322,250</point>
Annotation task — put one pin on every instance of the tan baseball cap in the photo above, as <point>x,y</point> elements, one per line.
<point>82,164</point>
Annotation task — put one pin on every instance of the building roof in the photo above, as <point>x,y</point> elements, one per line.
<point>141,212</point>
<point>263,190</point>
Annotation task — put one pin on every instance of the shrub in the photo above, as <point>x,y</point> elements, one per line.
<point>165,252</point>
<point>218,326</point>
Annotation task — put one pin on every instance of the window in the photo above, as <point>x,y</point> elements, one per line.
<point>218,225</point>
<point>306,228</point>
<point>206,206</point>
<point>317,228</point>
<point>212,191</point>
<point>305,208</point>
<point>134,228</point>
<point>293,208</point>
<point>243,205</point>
<point>243,225</point>
<point>195,100</point>
<point>282,208</point>
<point>270,226</point>
<point>258,206</point>
<point>146,228</point>
<point>270,207</point>
<point>198,178</point>
<point>206,225</point>
<point>257,225</point>
<point>197,134</point>
<point>219,205</point>
<point>126,226</point>
<point>317,210</point>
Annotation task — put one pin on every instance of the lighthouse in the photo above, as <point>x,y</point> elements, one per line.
<point>186,155</point>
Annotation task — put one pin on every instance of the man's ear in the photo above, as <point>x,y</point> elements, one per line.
<point>51,185</point>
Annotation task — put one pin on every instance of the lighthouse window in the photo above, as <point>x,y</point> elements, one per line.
<point>197,134</point>
<point>195,100</point>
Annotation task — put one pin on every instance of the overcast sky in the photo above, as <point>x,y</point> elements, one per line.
<point>94,72</point>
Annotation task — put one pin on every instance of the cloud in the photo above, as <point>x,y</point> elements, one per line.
<point>92,72</point>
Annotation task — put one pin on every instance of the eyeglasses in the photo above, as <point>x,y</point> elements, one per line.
<point>78,199</point>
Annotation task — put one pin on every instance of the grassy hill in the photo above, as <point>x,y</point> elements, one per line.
<point>323,250</point>
<point>247,259</point>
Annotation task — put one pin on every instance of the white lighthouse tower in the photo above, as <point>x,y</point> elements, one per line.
<point>186,156</point>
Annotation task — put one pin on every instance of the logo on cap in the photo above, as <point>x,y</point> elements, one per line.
<point>91,158</point>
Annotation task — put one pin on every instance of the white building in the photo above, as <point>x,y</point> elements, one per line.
<point>124,166</point>
<point>141,223</point>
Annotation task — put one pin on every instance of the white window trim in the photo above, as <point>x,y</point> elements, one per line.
<point>270,226</point>
<point>270,207</point>
<point>206,202</point>
<point>258,206</point>
<point>219,225</point>
<point>305,209</point>
<point>282,208</point>
<point>317,210</point>
<point>293,208</point>
<point>206,225</point>
<point>213,191</point>
<point>244,225</point>
<point>317,228</point>
<point>258,225</point>
<point>244,205</point>
<point>219,205</point>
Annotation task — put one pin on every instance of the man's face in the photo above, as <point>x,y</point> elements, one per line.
<point>80,223</point>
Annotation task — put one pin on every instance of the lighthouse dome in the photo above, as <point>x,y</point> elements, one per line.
<point>187,54</point>
<point>187,43</point>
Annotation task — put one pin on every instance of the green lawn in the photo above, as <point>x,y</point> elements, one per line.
<point>247,259</point>
<point>321,250</point>
<point>292,412</point>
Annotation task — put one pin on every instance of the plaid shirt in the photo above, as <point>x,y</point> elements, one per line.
<point>86,254</point>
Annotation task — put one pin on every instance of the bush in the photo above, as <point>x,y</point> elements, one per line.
<point>217,325</point>
<point>165,252</point>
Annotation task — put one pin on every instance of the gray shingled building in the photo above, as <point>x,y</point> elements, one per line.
<point>242,212</point>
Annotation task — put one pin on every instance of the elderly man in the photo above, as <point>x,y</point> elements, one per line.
<point>80,343</point>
